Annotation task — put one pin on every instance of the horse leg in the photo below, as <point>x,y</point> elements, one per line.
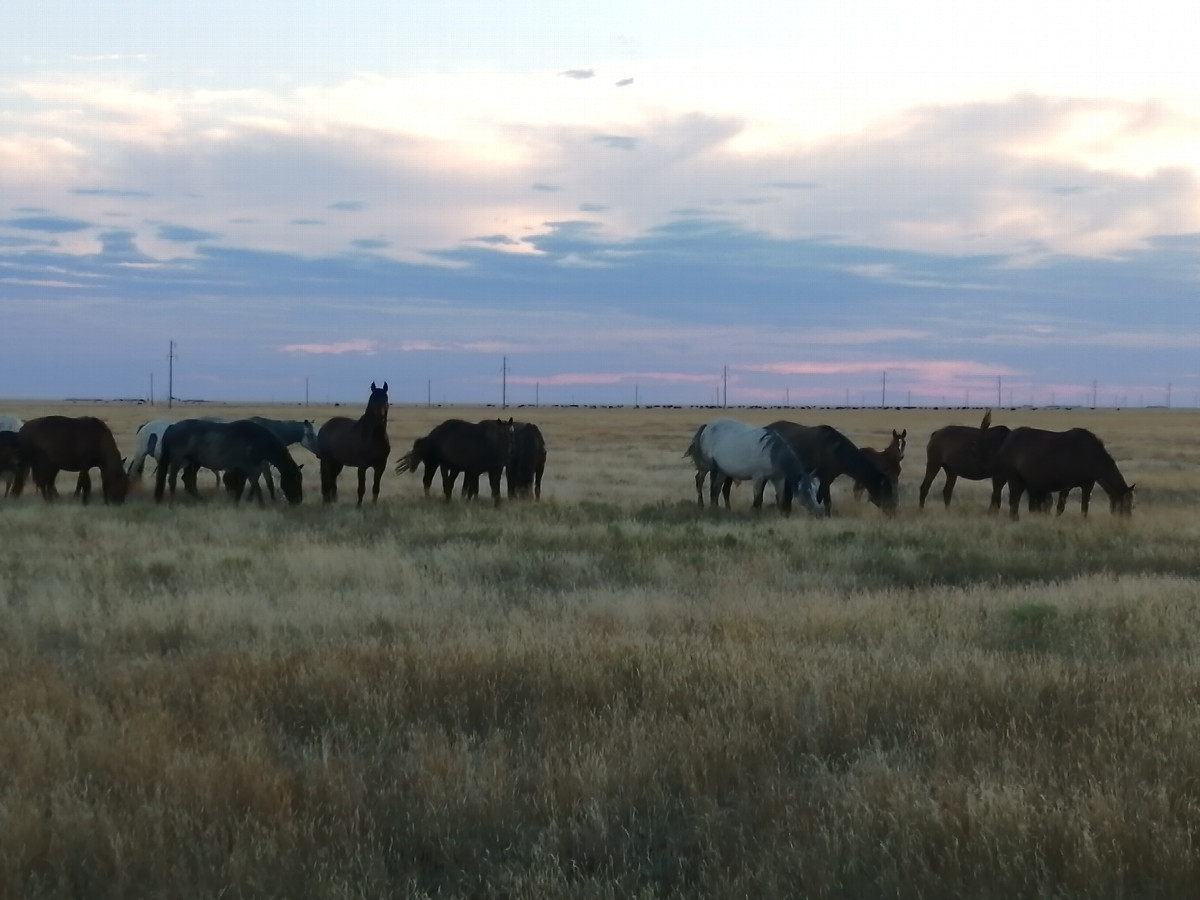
<point>83,486</point>
<point>190,474</point>
<point>329,474</point>
<point>537,483</point>
<point>362,484</point>
<point>1085,497</point>
<point>1016,487</point>
<point>997,490</point>
<point>714,486</point>
<point>427,478</point>
<point>375,486</point>
<point>760,485</point>
<point>449,476</point>
<point>701,474</point>
<point>266,471</point>
<point>948,490</point>
<point>931,471</point>
<point>494,478</point>
<point>725,490</point>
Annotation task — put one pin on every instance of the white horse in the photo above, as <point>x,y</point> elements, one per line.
<point>9,472</point>
<point>727,449</point>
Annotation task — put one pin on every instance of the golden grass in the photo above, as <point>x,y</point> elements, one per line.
<point>611,693</point>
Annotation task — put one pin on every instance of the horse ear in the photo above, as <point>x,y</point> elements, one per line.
<point>301,466</point>
<point>373,386</point>
<point>385,387</point>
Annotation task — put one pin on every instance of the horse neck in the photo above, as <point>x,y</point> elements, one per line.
<point>1112,481</point>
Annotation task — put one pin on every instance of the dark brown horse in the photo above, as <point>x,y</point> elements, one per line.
<point>526,462</point>
<point>471,448</point>
<point>53,444</point>
<point>964,452</point>
<point>361,442</point>
<point>886,460</point>
<point>1047,462</point>
<point>831,454</point>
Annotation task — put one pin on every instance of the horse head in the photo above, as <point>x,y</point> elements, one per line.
<point>308,440</point>
<point>377,403</point>
<point>1122,503</point>
<point>899,441</point>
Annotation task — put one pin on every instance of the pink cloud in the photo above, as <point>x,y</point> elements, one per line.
<point>566,379</point>
<point>359,345</point>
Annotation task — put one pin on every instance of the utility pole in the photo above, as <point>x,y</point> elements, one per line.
<point>725,388</point>
<point>537,392</point>
<point>1095,384</point>
<point>504,384</point>
<point>636,401</point>
<point>306,390</point>
<point>1168,395</point>
<point>883,393</point>
<point>170,374</point>
<point>151,388</point>
<point>428,392</point>
<point>998,403</point>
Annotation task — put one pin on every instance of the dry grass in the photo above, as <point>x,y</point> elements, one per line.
<point>608,694</point>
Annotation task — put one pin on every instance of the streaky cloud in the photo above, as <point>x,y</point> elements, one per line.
<point>109,192</point>
<point>181,234</point>
<point>578,74</point>
<point>52,224</point>
<point>363,346</point>
<point>348,205</point>
<point>616,141</point>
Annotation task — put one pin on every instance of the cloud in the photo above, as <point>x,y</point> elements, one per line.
<point>183,234</point>
<point>53,224</point>
<point>624,82</point>
<point>337,348</point>
<point>578,74</point>
<point>348,205</point>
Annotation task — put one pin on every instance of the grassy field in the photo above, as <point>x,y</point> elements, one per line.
<point>611,693</point>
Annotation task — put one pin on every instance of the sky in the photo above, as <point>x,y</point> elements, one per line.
<point>865,203</point>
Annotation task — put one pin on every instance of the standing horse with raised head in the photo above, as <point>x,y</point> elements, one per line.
<point>749,453</point>
<point>241,447</point>
<point>887,460</point>
<point>1047,462</point>
<point>362,443</point>
<point>964,452</point>
<point>831,454</point>
<point>52,444</point>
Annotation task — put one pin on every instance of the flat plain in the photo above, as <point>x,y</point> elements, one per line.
<point>610,693</point>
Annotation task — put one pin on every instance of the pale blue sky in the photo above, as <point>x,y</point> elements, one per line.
<point>616,197</point>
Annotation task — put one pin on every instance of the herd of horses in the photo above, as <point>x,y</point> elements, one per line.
<point>800,461</point>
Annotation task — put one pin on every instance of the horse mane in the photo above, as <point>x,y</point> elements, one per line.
<point>782,451</point>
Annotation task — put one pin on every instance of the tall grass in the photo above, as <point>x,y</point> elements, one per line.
<point>610,693</point>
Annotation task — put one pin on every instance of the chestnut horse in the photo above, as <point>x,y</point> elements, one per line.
<point>887,460</point>
<point>1044,462</point>
<point>362,443</point>
<point>964,452</point>
<point>52,444</point>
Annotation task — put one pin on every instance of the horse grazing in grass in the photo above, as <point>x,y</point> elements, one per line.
<point>471,448</point>
<point>52,444</point>
<point>242,447</point>
<point>362,443</point>
<point>1045,462</point>
<point>290,431</point>
<point>887,460</point>
<point>526,461</point>
<point>964,452</point>
<point>730,449</point>
<point>831,454</point>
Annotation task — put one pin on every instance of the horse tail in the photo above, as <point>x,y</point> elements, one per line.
<point>22,473</point>
<point>986,423</point>
<point>405,464</point>
<point>693,449</point>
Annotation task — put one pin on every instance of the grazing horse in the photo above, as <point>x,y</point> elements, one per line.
<point>290,431</point>
<point>241,447</point>
<point>149,444</point>
<point>830,454</point>
<point>888,460</point>
<point>361,442</point>
<point>964,452</point>
<point>1044,462</point>
<point>526,461</point>
<point>468,447</point>
<point>730,449</point>
<point>56,443</point>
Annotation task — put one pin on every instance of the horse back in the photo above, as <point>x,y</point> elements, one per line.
<point>72,444</point>
<point>1055,460</point>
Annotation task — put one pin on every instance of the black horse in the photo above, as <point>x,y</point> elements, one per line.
<point>10,458</point>
<point>61,443</point>
<point>471,448</point>
<point>242,447</point>
<point>831,454</point>
<point>362,443</point>
<point>526,461</point>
